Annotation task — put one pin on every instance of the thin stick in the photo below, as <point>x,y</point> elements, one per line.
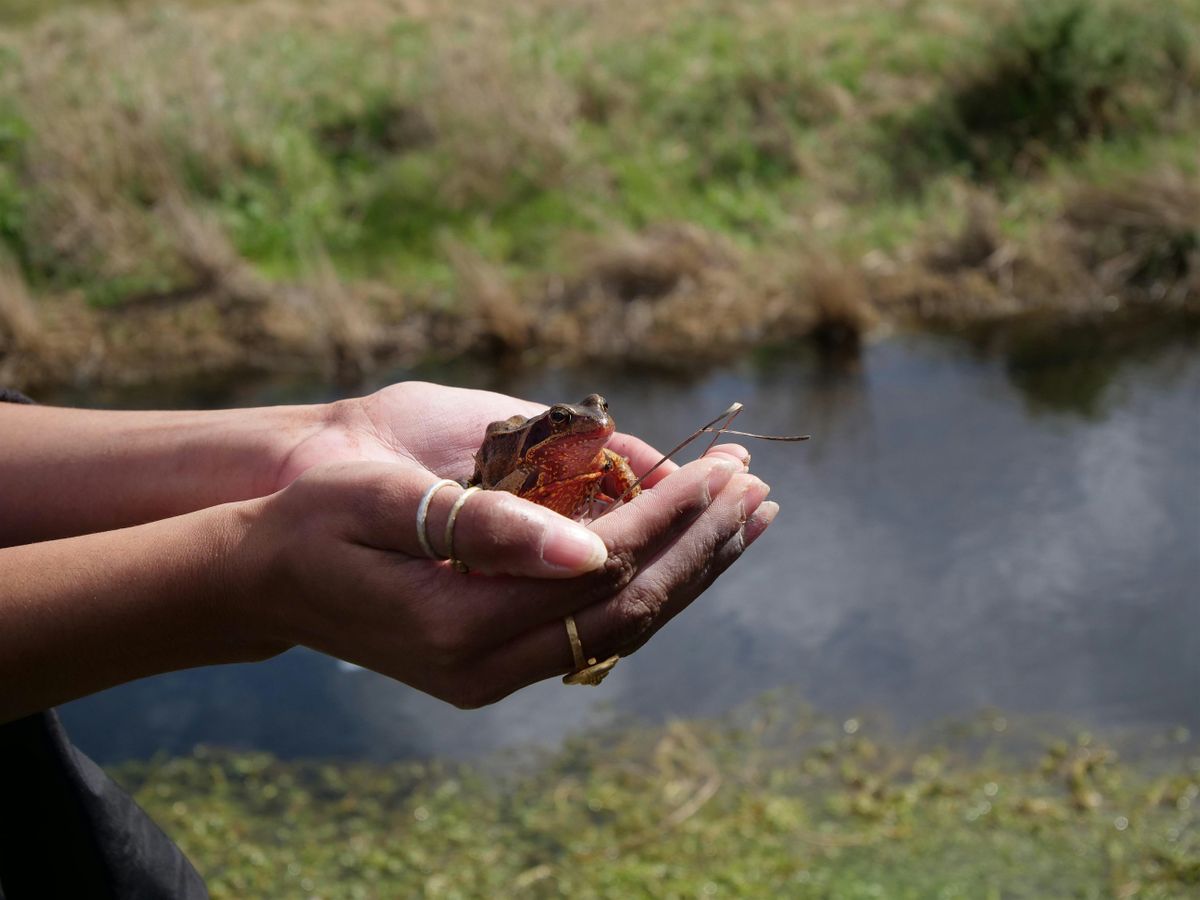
<point>732,411</point>
<point>727,417</point>
<point>764,437</point>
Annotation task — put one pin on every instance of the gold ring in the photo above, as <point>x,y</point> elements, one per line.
<point>423,515</point>
<point>576,646</point>
<point>587,670</point>
<point>459,565</point>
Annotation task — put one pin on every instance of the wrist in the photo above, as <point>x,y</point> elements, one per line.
<point>311,435</point>
<point>272,439</point>
<point>246,586</point>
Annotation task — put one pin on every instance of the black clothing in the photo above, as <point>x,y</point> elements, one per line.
<point>8,395</point>
<point>67,830</point>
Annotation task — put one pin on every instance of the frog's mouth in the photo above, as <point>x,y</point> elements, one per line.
<point>591,439</point>
<point>544,430</point>
<point>605,430</point>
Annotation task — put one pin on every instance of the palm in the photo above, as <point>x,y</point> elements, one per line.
<point>436,428</point>
<point>439,427</point>
<point>430,426</point>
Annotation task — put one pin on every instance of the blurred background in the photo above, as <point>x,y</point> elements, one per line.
<point>957,241</point>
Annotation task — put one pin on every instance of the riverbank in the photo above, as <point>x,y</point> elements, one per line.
<point>213,188</point>
<point>772,800</point>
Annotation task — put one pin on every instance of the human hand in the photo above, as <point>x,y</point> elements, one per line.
<point>75,471</point>
<point>437,428</point>
<point>336,565</point>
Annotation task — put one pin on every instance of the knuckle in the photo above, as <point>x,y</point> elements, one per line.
<point>473,693</point>
<point>447,643</point>
<point>636,613</point>
<point>611,578</point>
<point>616,573</point>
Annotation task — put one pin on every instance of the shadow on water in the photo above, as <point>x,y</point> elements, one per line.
<point>1070,368</point>
<point>1011,523</point>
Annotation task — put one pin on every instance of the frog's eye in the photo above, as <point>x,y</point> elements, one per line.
<point>558,416</point>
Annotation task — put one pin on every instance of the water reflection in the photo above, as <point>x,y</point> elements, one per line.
<point>1070,369</point>
<point>941,549</point>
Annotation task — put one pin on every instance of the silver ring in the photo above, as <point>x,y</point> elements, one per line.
<point>423,515</point>
<point>459,565</point>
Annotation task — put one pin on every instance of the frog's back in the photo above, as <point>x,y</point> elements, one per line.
<point>502,443</point>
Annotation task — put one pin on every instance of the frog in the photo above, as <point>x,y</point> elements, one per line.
<point>557,459</point>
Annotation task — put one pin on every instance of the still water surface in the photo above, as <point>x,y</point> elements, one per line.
<point>962,532</point>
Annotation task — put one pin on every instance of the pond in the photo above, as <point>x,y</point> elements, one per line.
<point>965,530</point>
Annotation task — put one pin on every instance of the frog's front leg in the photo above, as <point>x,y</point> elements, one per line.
<point>569,496</point>
<point>620,473</point>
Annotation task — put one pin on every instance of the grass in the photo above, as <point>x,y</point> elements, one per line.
<point>773,801</point>
<point>392,139</point>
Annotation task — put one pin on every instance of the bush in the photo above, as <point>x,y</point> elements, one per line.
<point>1059,74</point>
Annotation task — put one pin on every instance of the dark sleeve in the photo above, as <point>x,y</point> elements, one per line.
<point>67,829</point>
<point>8,395</point>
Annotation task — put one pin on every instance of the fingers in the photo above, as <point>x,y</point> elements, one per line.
<point>456,619</point>
<point>634,533</point>
<point>497,533</point>
<point>643,457</point>
<point>736,452</point>
<point>623,622</point>
<point>472,639</point>
<point>494,532</point>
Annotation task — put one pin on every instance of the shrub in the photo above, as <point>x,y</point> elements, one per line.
<point>1059,73</point>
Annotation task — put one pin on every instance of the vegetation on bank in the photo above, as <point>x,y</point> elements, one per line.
<point>222,184</point>
<point>774,802</point>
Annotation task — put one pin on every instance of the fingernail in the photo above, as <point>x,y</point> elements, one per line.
<point>755,494</point>
<point>719,477</point>
<point>757,523</point>
<point>573,548</point>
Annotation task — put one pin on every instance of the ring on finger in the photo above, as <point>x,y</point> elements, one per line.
<point>587,670</point>
<point>459,503</point>
<point>423,515</point>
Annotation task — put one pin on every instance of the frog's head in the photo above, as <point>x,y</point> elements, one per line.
<point>569,434</point>
<point>564,440</point>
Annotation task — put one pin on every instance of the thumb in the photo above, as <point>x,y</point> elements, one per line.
<point>494,532</point>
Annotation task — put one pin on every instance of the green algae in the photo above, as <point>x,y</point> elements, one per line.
<point>774,801</point>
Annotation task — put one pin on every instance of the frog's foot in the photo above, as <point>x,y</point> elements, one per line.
<point>620,477</point>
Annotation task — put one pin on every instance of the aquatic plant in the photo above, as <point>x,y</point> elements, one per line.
<point>772,801</point>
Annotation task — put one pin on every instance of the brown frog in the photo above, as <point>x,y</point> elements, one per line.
<point>556,459</point>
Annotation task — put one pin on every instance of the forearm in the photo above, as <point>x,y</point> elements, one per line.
<point>85,613</point>
<point>71,471</point>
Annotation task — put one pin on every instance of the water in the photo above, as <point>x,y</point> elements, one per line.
<point>963,531</point>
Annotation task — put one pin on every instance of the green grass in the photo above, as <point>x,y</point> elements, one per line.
<point>378,135</point>
<point>772,802</point>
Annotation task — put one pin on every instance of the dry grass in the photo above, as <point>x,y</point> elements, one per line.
<point>339,320</point>
<point>20,328</point>
<point>1142,234</point>
<point>501,123</point>
<point>840,299</point>
<point>499,323</point>
<point>650,264</point>
<point>210,263</point>
<point>672,294</point>
<point>294,182</point>
<point>107,144</point>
